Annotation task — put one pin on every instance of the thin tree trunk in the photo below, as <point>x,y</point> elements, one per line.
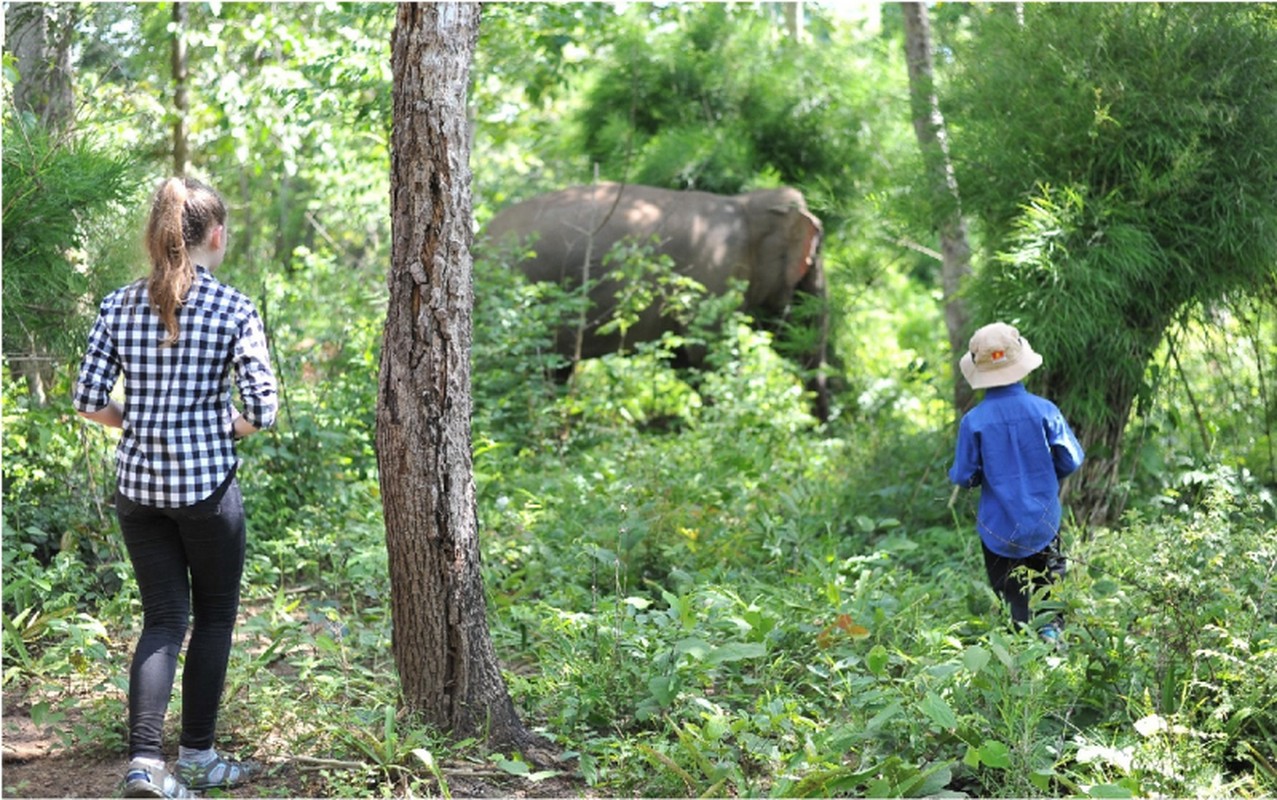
<point>794,21</point>
<point>443,649</point>
<point>181,105</point>
<point>933,139</point>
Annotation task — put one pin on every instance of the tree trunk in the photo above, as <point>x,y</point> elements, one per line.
<point>1093,493</point>
<point>933,139</point>
<point>794,21</point>
<point>39,36</point>
<point>442,646</point>
<point>180,103</point>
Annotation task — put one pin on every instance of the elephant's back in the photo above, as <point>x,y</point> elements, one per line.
<point>580,223</point>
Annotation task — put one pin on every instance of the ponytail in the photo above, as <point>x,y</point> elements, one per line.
<point>181,214</point>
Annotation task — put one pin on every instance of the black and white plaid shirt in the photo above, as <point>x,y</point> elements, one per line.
<point>177,445</point>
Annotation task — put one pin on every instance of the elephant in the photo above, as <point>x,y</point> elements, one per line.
<point>767,239</point>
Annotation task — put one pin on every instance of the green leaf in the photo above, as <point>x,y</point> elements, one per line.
<point>995,754</point>
<point>877,660</point>
<point>1002,653</point>
<point>938,711</point>
<point>510,766</point>
<point>975,658</point>
<point>698,649</point>
<point>1108,790</point>
<point>1105,587</point>
<point>884,716</point>
<point>972,757</point>
<point>737,651</point>
<point>934,780</point>
<point>1042,779</point>
<point>664,689</point>
<point>716,726</point>
<point>842,781</point>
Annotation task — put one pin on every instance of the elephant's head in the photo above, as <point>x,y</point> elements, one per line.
<point>787,271</point>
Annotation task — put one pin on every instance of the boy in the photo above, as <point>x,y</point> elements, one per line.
<point>1017,447</point>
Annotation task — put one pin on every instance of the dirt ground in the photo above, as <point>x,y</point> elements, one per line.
<point>36,764</point>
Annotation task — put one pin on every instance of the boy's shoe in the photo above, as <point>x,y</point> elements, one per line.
<point>1052,635</point>
<point>219,773</point>
<point>147,780</point>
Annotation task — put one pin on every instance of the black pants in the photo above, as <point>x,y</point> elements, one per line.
<point>1016,585</point>
<point>186,560</point>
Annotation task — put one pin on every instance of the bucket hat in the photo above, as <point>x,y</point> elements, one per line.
<point>998,356</point>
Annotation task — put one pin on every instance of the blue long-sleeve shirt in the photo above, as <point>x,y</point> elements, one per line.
<point>1017,447</point>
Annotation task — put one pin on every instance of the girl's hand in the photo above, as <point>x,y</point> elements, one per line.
<point>241,427</point>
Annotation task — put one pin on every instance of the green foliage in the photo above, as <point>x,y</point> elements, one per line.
<point>1219,358</point>
<point>317,465</point>
<point>515,361</point>
<point>1068,256</point>
<point>537,48</point>
<point>890,679</point>
<point>58,485</point>
<point>60,192</point>
<point>1147,190</point>
<point>290,115</point>
<point>1185,598</point>
<point>719,101</point>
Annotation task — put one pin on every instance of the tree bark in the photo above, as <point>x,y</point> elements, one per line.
<point>1091,494</point>
<point>933,139</point>
<point>442,646</point>
<point>180,103</point>
<point>1094,492</point>
<point>39,36</point>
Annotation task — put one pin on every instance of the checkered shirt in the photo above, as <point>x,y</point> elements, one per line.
<point>177,445</point>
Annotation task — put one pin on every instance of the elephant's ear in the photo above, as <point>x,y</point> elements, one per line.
<point>808,234</point>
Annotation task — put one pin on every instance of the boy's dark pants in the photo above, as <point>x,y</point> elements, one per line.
<point>1015,585</point>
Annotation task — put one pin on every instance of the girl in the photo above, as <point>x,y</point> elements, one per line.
<point>177,337</point>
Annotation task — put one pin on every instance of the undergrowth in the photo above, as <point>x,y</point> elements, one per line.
<point>723,598</point>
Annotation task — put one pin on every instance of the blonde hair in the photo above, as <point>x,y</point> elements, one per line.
<point>182,213</point>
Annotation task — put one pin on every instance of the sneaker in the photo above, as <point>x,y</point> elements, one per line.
<point>219,773</point>
<point>1051,634</point>
<point>147,780</point>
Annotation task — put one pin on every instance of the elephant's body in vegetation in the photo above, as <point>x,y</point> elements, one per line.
<point>767,239</point>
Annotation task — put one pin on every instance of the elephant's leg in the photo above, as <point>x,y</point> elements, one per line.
<point>562,374</point>
<point>688,363</point>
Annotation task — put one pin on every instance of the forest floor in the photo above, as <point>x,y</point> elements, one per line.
<point>37,764</point>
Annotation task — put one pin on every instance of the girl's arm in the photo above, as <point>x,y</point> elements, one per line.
<point>110,415</point>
